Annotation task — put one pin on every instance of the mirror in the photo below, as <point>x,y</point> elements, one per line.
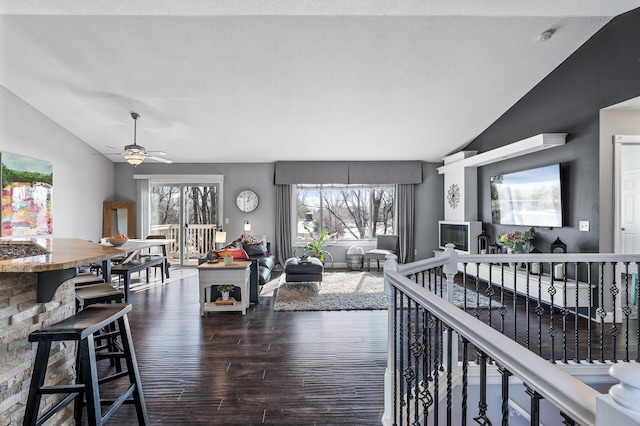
<point>119,217</point>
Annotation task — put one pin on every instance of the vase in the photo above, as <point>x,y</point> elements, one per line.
<point>228,261</point>
<point>225,295</point>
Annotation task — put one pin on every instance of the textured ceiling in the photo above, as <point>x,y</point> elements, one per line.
<point>265,81</point>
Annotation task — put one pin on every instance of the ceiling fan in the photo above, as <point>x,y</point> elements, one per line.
<point>135,154</point>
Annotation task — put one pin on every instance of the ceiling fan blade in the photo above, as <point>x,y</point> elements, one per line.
<point>162,160</point>
<point>156,153</point>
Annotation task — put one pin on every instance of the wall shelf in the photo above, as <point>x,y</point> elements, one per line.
<point>526,146</point>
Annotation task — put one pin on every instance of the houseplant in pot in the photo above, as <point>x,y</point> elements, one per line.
<point>224,290</point>
<point>316,246</point>
<point>227,256</point>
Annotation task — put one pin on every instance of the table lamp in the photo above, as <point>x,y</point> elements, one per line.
<point>221,237</point>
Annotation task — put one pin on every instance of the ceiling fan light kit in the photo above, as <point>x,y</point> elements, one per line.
<point>135,154</point>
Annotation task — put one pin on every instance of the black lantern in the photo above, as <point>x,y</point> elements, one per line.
<point>494,249</point>
<point>558,245</point>
<point>483,243</point>
<point>558,268</point>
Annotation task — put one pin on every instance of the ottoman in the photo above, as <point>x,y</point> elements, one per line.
<point>298,271</point>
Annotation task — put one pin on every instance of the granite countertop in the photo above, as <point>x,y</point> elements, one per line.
<point>55,254</point>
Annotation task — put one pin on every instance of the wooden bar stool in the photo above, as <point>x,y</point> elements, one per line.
<point>81,328</point>
<point>97,293</point>
<point>106,339</point>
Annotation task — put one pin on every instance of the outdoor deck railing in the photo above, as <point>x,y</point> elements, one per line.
<point>200,238</point>
<point>583,314</point>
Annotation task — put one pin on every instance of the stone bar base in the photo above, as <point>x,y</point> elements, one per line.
<point>20,314</point>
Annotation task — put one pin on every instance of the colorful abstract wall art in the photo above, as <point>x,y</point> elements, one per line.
<point>27,189</point>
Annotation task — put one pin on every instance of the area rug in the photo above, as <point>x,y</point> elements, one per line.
<point>350,290</point>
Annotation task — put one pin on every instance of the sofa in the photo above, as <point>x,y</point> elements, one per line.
<point>256,250</point>
<point>261,267</point>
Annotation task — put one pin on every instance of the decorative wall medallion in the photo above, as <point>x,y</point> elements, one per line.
<point>453,196</point>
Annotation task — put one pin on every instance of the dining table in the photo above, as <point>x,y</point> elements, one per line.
<point>131,249</point>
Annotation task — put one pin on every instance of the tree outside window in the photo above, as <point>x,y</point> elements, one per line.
<point>348,212</point>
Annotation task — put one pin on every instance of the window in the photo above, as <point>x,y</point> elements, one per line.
<point>349,212</point>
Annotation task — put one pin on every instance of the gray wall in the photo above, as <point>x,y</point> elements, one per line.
<point>259,178</point>
<point>612,122</point>
<point>81,180</point>
<point>603,72</point>
<point>237,176</point>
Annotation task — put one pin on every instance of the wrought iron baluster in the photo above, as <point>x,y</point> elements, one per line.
<point>505,374</point>
<point>576,319</point>
<point>464,288</point>
<point>482,418</point>
<point>503,308</point>
<point>589,313</point>
<point>626,311</point>
<point>614,290</point>
<point>552,328</point>
<point>535,405</point>
<point>490,292</point>
<point>408,372</point>
<point>526,308</point>
<point>565,313</point>
<point>465,379</point>
<point>436,375</point>
<point>476,311</point>
<point>417,351</point>
<point>398,363</point>
<point>449,374</point>
<point>602,313</point>
<point>515,300</point>
<point>397,346</point>
<point>539,310</point>
<point>425,395</point>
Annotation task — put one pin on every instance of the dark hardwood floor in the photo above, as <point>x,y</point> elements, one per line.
<point>279,368</point>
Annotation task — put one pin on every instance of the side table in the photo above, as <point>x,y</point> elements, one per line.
<point>210,274</point>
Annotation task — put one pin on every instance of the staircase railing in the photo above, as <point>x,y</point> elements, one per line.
<point>427,373</point>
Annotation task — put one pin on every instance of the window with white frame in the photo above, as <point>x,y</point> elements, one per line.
<point>347,212</point>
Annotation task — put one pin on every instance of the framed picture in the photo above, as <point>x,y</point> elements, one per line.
<point>27,189</point>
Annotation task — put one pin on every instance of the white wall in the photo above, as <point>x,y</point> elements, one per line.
<point>81,181</point>
<point>612,122</point>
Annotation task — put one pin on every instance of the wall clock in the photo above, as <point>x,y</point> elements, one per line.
<point>453,196</point>
<point>247,201</point>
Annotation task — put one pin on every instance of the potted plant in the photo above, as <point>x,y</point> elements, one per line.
<point>224,290</point>
<point>316,246</point>
<point>227,256</point>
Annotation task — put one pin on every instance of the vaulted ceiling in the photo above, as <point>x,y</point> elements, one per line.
<point>256,81</point>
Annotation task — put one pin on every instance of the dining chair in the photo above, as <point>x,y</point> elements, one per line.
<point>165,264</point>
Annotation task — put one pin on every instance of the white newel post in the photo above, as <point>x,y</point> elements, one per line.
<point>621,406</point>
<point>450,269</point>
<point>387,417</point>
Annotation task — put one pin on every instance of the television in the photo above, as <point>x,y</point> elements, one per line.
<point>529,197</point>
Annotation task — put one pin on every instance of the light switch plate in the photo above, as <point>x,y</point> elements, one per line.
<point>584,225</point>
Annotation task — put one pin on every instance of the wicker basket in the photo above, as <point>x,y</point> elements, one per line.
<point>355,256</point>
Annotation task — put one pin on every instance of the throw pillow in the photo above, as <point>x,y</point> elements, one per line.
<point>256,239</point>
<point>254,249</point>
<point>237,253</point>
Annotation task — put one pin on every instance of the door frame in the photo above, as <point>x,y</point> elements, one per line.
<point>144,188</point>
<point>618,142</point>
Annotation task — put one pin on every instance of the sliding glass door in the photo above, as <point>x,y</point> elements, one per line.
<point>187,213</point>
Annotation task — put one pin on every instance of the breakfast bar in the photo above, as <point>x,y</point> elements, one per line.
<point>37,289</point>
